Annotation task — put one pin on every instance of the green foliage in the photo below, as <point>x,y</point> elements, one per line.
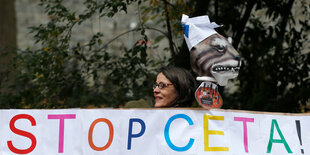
<point>57,74</point>
<point>275,71</point>
<point>273,43</point>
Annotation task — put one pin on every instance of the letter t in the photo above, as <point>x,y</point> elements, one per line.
<point>61,118</point>
<point>245,130</point>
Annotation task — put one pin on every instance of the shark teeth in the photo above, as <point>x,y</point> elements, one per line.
<point>225,68</point>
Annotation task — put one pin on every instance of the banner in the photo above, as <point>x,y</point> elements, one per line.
<point>152,132</point>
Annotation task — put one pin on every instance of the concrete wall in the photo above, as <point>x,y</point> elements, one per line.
<point>29,13</point>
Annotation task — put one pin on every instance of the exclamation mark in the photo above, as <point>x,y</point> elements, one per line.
<point>299,134</point>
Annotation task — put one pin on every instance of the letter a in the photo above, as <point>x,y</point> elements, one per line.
<point>282,140</point>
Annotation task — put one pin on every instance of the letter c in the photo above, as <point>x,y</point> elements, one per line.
<point>166,132</point>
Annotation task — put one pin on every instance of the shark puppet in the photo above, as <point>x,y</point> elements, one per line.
<point>212,58</point>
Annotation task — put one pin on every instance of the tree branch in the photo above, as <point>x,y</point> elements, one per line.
<point>166,2</point>
<point>216,6</point>
<point>118,36</point>
<point>243,22</point>
<point>169,29</point>
<point>201,7</point>
<point>285,12</point>
<point>132,30</point>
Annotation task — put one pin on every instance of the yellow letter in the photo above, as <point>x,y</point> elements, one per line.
<point>208,132</point>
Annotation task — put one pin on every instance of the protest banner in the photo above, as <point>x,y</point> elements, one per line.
<point>152,132</point>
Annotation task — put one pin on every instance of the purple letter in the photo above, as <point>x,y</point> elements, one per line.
<point>245,131</point>
<point>62,118</point>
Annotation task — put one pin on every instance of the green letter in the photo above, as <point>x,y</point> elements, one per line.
<point>282,140</point>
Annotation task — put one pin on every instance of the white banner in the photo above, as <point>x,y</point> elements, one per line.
<point>152,132</point>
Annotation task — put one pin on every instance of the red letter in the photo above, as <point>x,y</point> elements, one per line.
<point>22,133</point>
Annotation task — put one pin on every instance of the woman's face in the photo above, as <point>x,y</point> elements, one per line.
<point>164,97</point>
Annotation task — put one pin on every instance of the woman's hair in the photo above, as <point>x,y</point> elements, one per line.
<point>183,82</point>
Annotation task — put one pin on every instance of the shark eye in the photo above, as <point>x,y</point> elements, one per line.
<point>219,44</point>
<point>220,48</point>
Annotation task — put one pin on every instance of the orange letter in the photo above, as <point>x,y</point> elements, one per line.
<point>90,134</point>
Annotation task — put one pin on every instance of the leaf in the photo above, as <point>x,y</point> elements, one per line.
<point>158,39</point>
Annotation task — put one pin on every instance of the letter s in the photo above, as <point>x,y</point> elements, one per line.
<point>22,133</point>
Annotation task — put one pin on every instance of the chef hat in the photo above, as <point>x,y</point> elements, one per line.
<point>197,29</point>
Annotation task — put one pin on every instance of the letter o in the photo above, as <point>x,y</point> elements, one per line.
<point>90,134</point>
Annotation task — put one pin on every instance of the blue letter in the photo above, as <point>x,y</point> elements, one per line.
<point>167,138</point>
<point>130,135</point>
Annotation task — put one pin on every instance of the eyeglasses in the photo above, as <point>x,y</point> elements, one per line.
<point>161,85</point>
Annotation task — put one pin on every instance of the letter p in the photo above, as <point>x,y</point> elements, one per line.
<point>131,135</point>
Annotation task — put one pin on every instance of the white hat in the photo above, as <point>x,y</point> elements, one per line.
<point>197,29</point>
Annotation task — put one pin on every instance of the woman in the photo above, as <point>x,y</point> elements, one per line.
<point>174,87</point>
